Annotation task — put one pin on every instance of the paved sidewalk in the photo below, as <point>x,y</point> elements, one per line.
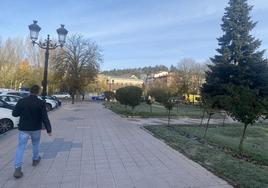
<point>92,147</point>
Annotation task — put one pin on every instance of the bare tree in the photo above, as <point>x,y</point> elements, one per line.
<point>11,53</point>
<point>77,64</point>
<point>190,76</point>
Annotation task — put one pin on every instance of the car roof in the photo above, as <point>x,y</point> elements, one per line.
<point>9,95</point>
<point>3,92</point>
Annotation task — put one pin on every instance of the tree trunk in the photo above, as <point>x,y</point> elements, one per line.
<point>72,98</point>
<point>168,116</point>
<point>77,95</point>
<point>203,116</point>
<point>242,139</point>
<point>224,117</point>
<point>83,97</point>
<point>210,114</point>
<point>15,85</point>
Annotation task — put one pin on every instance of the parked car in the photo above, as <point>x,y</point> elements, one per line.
<point>62,95</point>
<point>10,99</point>
<point>98,97</point>
<point>192,98</point>
<point>4,104</point>
<point>50,104</point>
<point>56,99</point>
<point>24,89</point>
<point>16,93</point>
<point>5,90</point>
<point>58,102</point>
<point>7,121</point>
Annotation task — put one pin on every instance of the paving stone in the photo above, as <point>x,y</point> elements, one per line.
<point>93,147</point>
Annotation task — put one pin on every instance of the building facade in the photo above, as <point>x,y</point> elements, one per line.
<point>116,82</point>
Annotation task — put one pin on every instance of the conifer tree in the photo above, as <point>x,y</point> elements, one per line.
<point>237,80</point>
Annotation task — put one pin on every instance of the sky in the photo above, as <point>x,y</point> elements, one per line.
<point>132,33</point>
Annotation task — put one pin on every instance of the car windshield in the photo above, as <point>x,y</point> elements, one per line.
<point>1,103</point>
<point>5,98</point>
<point>20,94</point>
<point>23,94</point>
<point>13,98</point>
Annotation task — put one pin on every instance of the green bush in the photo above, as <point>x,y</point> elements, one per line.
<point>162,96</point>
<point>120,96</point>
<point>130,95</point>
<point>159,94</point>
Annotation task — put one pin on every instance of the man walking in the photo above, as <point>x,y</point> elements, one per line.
<point>32,112</point>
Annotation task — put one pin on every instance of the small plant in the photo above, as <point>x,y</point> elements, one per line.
<point>163,96</point>
<point>168,105</point>
<point>149,101</point>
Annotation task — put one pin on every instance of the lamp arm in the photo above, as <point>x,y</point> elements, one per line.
<point>44,45</point>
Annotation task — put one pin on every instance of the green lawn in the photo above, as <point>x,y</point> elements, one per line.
<point>255,145</point>
<point>217,153</point>
<point>143,110</point>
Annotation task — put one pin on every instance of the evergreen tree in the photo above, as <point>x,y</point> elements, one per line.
<point>237,80</point>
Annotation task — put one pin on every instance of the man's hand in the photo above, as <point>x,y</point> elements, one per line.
<point>49,134</point>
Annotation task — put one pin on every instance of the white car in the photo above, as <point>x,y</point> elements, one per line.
<point>62,95</point>
<point>50,104</point>
<point>10,99</point>
<point>16,93</point>
<point>7,121</point>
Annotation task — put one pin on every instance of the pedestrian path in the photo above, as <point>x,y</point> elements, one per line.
<point>92,147</point>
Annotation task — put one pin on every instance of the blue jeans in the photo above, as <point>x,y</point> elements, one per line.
<point>23,139</point>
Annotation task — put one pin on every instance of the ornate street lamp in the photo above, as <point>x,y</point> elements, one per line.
<point>109,83</point>
<point>47,45</point>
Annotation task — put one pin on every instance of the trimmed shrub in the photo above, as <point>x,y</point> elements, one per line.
<point>130,95</point>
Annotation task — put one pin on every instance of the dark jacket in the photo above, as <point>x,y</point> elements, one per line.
<point>32,112</point>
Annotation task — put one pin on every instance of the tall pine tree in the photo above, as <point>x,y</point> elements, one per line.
<point>237,81</point>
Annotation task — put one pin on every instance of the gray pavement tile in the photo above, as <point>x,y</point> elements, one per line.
<point>97,148</point>
<point>70,185</point>
<point>88,184</point>
<point>106,183</point>
<point>125,183</point>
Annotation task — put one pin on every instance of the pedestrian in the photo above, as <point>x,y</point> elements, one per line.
<point>32,113</point>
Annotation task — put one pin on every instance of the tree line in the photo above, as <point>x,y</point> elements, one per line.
<point>20,63</point>
<point>71,68</point>
<point>136,71</point>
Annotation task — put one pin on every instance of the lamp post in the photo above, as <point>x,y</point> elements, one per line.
<point>107,81</point>
<point>112,84</point>
<point>47,45</point>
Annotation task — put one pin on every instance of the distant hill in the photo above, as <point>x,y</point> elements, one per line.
<point>136,71</point>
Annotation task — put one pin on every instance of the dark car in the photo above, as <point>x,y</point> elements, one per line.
<point>98,97</point>
<point>4,104</point>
